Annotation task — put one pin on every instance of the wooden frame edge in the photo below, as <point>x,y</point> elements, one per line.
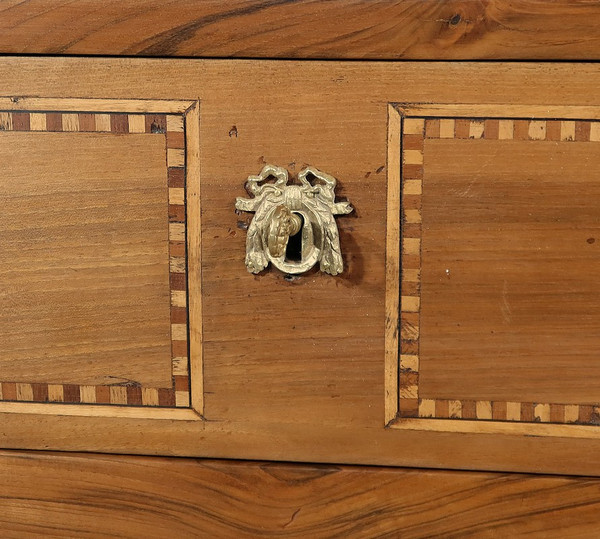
<point>499,110</point>
<point>478,426</point>
<point>392,264</point>
<point>69,104</point>
<point>99,410</point>
<point>194,257</point>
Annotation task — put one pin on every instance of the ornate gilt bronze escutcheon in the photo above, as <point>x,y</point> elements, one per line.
<point>293,225</point>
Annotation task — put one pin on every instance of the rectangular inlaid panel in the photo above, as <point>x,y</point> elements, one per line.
<point>500,290</point>
<point>93,295</point>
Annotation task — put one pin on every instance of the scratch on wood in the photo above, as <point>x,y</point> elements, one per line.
<point>506,310</point>
<point>293,517</point>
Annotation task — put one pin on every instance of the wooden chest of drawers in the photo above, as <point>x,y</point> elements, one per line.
<point>422,240</point>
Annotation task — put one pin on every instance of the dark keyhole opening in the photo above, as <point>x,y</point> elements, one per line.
<point>293,251</point>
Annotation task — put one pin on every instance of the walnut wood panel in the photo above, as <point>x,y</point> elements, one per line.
<point>94,306</point>
<point>295,368</point>
<point>476,224</point>
<point>64,304</point>
<point>510,299</point>
<point>46,494</point>
<point>361,29</point>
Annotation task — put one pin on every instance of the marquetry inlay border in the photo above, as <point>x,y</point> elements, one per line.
<point>406,138</point>
<point>86,116</point>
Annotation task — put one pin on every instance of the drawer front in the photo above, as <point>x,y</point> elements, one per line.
<point>449,313</point>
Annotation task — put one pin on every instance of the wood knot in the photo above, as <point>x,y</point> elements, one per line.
<point>455,20</point>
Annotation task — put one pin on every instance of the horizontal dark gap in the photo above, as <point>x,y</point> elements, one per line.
<point>314,59</point>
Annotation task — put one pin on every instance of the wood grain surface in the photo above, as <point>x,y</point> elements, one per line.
<point>54,495</point>
<point>85,275</point>
<point>360,29</point>
<point>510,302</point>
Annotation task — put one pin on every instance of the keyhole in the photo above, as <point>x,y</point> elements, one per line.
<point>293,251</point>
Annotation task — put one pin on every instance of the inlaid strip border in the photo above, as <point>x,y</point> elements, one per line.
<point>513,129</point>
<point>413,132</point>
<point>173,127</point>
<point>508,411</point>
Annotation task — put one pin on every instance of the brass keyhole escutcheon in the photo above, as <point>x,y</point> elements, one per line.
<point>303,212</point>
